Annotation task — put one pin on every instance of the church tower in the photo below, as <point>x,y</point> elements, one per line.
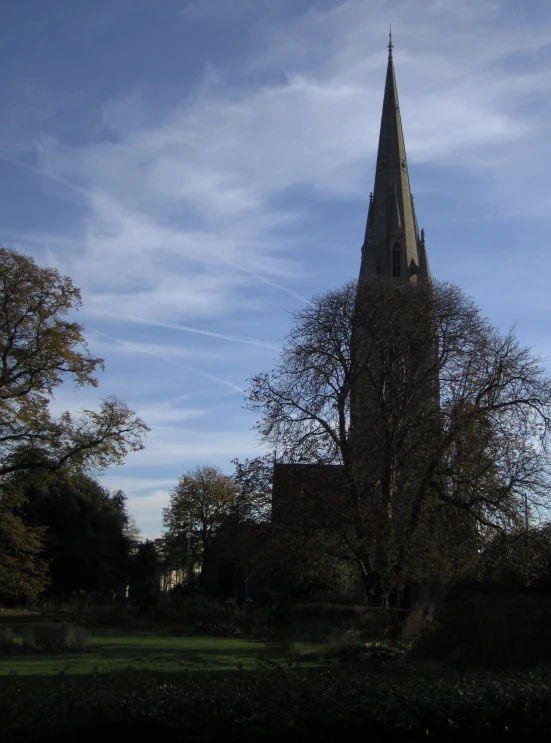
<point>392,347</point>
<point>382,494</point>
<point>393,247</point>
<point>391,386</point>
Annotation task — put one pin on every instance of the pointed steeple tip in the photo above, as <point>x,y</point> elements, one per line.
<point>390,45</point>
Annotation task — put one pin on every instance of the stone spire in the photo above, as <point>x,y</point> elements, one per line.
<point>392,247</point>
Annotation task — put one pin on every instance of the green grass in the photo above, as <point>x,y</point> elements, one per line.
<point>112,651</point>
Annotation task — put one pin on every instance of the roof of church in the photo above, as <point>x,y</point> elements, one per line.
<point>391,220</point>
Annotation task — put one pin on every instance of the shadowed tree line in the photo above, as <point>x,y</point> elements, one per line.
<point>444,479</point>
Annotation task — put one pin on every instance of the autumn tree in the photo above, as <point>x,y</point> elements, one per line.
<point>24,570</point>
<point>40,348</point>
<point>199,504</point>
<point>453,441</point>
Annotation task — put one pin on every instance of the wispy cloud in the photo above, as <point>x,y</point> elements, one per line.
<point>149,351</point>
<point>182,447</point>
<point>194,211</point>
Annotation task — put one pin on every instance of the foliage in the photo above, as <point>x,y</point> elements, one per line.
<point>384,651</point>
<point>517,559</point>
<point>440,424</point>
<point>199,504</point>
<point>23,569</point>
<point>288,558</point>
<point>373,623</point>
<point>217,630</point>
<point>280,555</point>
<point>84,529</point>
<point>41,349</point>
<point>7,640</point>
<point>196,611</point>
<point>341,631</point>
<point>275,704</point>
<point>55,636</point>
<point>350,646</point>
<point>489,630</point>
<point>144,574</point>
<point>419,621</point>
<point>292,562</point>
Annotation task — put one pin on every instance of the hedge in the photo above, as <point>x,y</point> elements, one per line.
<point>291,704</point>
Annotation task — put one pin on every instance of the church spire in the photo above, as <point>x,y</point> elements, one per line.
<point>392,245</point>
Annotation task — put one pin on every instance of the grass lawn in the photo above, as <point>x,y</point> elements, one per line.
<point>159,654</point>
<point>111,651</point>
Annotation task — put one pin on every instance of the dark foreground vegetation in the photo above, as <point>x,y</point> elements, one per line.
<point>477,666</point>
<point>275,703</point>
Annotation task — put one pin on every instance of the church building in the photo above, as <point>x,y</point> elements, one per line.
<point>393,253</point>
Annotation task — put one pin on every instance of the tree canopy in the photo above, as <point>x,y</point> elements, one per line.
<point>40,349</point>
<point>23,567</point>
<point>87,533</point>
<point>199,504</point>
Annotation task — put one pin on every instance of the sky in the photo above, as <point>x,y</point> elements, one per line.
<point>200,168</point>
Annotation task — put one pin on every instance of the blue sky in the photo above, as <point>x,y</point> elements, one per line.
<point>201,167</point>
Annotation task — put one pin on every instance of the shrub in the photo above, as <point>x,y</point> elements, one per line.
<point>217,630</point>
<point>381,624</point>
<point>275,704</point>
<point>7,640</point>
<point>82,637</point>
<point>298,649</point>
<point>348,646</point>
<point>385,651</point>
<point>420,620</point>
<point>27,637</point>
<point>62,636</point>
<point>116,615</point>
<point>344,645</point>
<point>488,630</point>
<point>316,621</point>
<point>192,610</point>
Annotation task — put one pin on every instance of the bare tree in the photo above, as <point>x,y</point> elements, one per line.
<point>449,436</point>
<point>253,483</point>
<point>304,402</point>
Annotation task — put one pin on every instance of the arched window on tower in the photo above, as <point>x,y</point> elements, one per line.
<point>396,261</point>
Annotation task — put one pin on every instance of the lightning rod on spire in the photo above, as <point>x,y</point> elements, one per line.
<point>390,45</point>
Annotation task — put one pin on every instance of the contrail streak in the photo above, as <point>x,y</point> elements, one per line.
<point>188,329</point>
<point>156,355</point>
